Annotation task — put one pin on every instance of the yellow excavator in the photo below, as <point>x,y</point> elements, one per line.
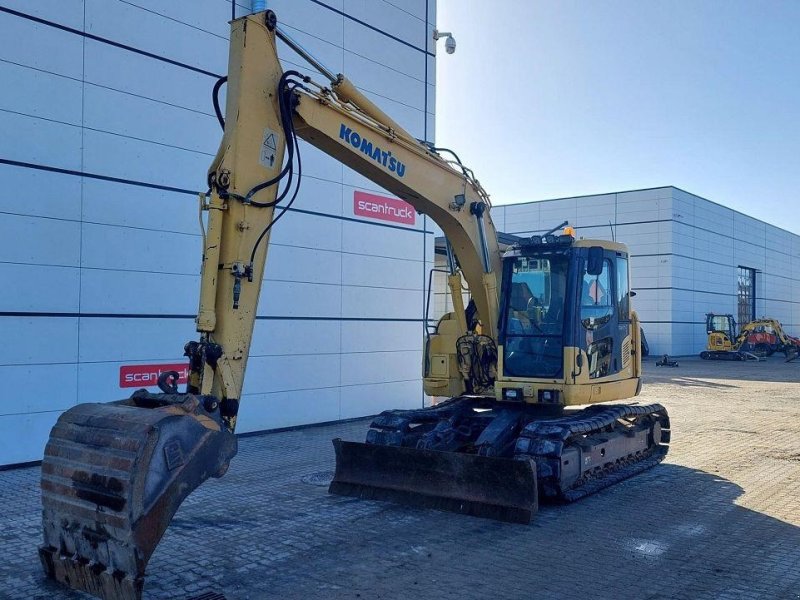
<point>549,325</point>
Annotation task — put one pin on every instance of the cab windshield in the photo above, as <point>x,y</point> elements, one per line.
<point>534,319</point>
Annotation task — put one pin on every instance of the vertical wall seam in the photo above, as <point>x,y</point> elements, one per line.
<point>341,260</point>
<point>81,201</point>
<point>424,217</point>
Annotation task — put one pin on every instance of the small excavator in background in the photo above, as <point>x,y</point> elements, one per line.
<point>549,325</point>
<point>757,339</point>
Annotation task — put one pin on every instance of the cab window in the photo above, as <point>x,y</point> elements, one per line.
<point>596,304</point>
<point>623,292</point>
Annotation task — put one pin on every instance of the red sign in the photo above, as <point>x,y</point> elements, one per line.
<point>383,208</point>
<point>147,375</point>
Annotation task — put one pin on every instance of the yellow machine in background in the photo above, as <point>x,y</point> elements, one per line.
<point>549,325</point>
<point>758,338</point>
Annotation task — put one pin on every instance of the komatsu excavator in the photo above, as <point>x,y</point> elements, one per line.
<point>549,325</point>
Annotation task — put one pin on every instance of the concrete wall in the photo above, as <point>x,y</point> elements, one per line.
<point>685,253</point>
<point>108,130</point>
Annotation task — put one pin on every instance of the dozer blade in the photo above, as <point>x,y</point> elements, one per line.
<point>495,488</point>
<point>113,476</point>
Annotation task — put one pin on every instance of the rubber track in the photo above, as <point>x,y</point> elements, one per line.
<point>596,484</point>
<point>586,424</point>
<point>583,423</point>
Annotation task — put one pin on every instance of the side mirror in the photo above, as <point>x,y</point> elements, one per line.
<point>631,293</point>
<point>594,265</point>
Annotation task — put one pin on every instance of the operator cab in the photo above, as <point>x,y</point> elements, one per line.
<point>559,293</point>
<point>721,324</point>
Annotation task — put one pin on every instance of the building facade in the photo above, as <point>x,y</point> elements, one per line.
<point>690,256</point>
<point>108,130</point>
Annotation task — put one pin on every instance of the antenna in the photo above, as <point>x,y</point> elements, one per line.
<point>613,236</point>
<point>557,227</point>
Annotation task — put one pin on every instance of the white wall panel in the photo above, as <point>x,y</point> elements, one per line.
<point>39,340</point>
<point>376,271</point>
<point>552,213</point>
<point>39,240</point>
<point>267,374</point>
<point>40,46</point>
<point>34,140</point>
<point>24,436</point>
<point>314,20</point>
<point>138,293</point>
<point>209,15</point>
<point>386,83</point>
<point>379,303</point>
<point>318,164</point>
<point>371,240</point>
<point>308,231</point>
<point>378,47</point>
<point>290,299</point>
<point>133,73</point>
<point>147,162</point>
<point>34,92</point>
<point>318,195</point>
<point>112,203</point>
<point>371,399</point>
<point>63,12</point>
<point>129,249</point>
<point>38,288</point>
<point>144,30</point>
<point>596,210</point>
<point>258,412</point>
<point>47,194</point>
<point>376,336</point>
<point>273,337</point>
<point>377,367</point>
<point>290,263</point>
<point>641,205</point>
<point>110,110</point>
<point>401,22</point>
<point>47,388</point>
<point>134,339</point>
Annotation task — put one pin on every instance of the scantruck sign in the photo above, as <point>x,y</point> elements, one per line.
<point>383,208</point>
<point>147,375</point>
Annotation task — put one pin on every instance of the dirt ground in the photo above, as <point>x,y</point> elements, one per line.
<point>719,519</point>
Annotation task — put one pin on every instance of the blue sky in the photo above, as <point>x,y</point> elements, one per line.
<point>562,98</point>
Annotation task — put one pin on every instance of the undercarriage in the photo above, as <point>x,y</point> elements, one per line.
<point>440,456</point>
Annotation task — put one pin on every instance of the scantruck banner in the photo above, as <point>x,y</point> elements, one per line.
<point>383,208</point>
<point>147,375</point>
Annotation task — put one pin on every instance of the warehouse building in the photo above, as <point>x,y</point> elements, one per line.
<point>690,256</point>
<point>108,130</point>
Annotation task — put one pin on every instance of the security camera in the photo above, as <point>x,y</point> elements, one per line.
<point>450,41</point>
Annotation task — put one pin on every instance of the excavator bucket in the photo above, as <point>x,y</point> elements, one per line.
<point>113,475</point>
<point>494,488</point>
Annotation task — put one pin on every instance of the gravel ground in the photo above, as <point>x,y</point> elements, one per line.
<point>720,518</point>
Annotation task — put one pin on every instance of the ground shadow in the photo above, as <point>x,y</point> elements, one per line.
<point>709,373</point>
<point>267,530</point>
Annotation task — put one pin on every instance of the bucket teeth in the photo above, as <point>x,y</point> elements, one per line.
<point>91,577</point>
<point>113,475</point>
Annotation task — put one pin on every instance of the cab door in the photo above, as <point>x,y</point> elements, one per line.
<point>604,312</point>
